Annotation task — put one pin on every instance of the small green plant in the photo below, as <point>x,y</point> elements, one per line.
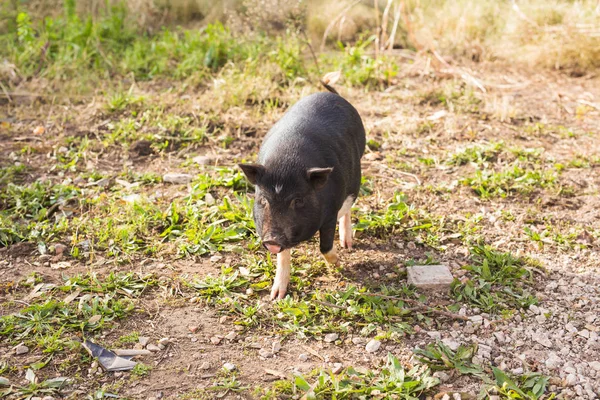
<point>477,154</point>
<point>141,370</point>
<point>498,283</point>
<point>516,179</point>
<point>392,382</point>
<point>530,386</point>
<point>440,357</point>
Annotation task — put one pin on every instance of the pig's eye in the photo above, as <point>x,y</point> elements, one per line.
<point>297,203</point>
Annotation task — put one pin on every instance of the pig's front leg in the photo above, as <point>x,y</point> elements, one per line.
<point>282,274</point>
<point>327,237</point>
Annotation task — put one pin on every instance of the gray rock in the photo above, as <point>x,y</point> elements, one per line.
<point>595,365</point>
<point>276,346</point>
<point>144,340</point>
<point>435,335</point>
<point>433,277</point>
<point>331,337</point>
<point>571,380</point>
<point>229,367</point>
<point>152,347</point>
<point>358,340</point>
<point>205,365</point>
<point>231,335</point>
<point>553,361</point>
<point>21,349</point>
<point>265,353</point>
<point>176,178</point>
<point>337,368</point>
<point>542,338</point>
<point>442,376</point>
<point>373,346</point>
<point>453,344</point>
<point>303,357</point>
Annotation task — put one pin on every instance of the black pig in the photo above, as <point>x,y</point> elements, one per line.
<point>307,178</point>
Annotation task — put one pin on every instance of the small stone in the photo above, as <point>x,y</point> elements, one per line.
<point>215,340</point>
<point>209,199</point>
<point>265,353</point>
<point>223,319</point>
<point>434,277</point>
<point>303,357</point>
<point>435,335</point>
<point>193,328</point>
<point>231,335</point>
<point>542,339</point>
<point>21,349</point>
<point>216,258</point>
<point>275,347</point>
<point>331,337</point>
<point>358,340</point>
<point>500,337</point>
<point>164,341</point>
<point>143,340</point>
<point>205,365</point>
<point>373,346</point>
<point>595,365</point>
<point>517,371</point>
<point>176,178</point>
<point>153,347</point>
<point>337,368</point>
<point>229,367</point>
<point>451,343</point>
<point>442,376</point>
<point>553,361</point>
<point>47,398</point>
<point>571,380</point>
<point>584,333</point>
<point>411,245</point>
<point>203,160</point>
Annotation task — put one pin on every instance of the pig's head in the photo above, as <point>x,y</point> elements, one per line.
<point>287,210</point>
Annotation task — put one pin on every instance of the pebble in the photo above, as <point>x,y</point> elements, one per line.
<point>517,371</point>
<point>229,367</point>
<point>595,365</point>
<point>193,328</point>
<point>177,178</point>
<point>275,347</point>
<point>164,341</point>
<point>435,335</point>
<point>47,398</point>
<point>553,361</point>
<point>231,335</point>
<point>358,340</point>
<point>451,343</point>
<point>205,365</point>
<point>331,337</point>
<point>542,338</point>
<point>373,346</point>
<point>265,353</point>
<point>215,340</point>
<point>337,368</point>
<point>153,347</point>
<point>21,349</point>
<point>303,357</point>
<point>571,380</point>
<point>442,376</point>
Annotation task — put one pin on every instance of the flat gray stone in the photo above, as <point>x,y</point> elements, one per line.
<point>433,277</point>
<point>176,178</point>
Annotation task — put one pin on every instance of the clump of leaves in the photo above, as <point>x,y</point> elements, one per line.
<point>392,382</point>
<point>497,283</point>
<point>33,388</point>
<point>525,387</point>
<point>479,154</point>
<point>440,357</point>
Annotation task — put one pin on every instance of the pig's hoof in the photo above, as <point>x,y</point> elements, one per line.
<point>346,243</point>
<point>278,290</point>
<point>331,257</point>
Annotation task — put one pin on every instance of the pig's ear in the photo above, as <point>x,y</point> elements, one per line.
<point>253,172</point>
<point>318,176</point>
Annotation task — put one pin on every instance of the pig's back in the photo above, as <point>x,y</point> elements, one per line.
<point>320,130</point>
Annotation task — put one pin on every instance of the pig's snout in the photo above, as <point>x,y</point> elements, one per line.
<point>272,246</point>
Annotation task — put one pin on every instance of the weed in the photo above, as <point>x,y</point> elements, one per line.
<point>392,382</point>
<point>477,154</point>
<point>516,179</point>
<point>530,386</point>
<point>141,370</point>
<point>497,281</point>
<point>440,357</point>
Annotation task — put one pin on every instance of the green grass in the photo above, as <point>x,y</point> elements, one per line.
<point>438,356</point>
<point>50,324</point>
<point>515,179</point>
<point>498,282</point>
<point>391,382</point>
<point>477,154</point>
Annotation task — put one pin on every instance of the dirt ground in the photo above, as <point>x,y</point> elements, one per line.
<point>417,133</point>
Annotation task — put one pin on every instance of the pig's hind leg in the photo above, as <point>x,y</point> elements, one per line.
<point>282,274</point>
<point>346,223</point>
